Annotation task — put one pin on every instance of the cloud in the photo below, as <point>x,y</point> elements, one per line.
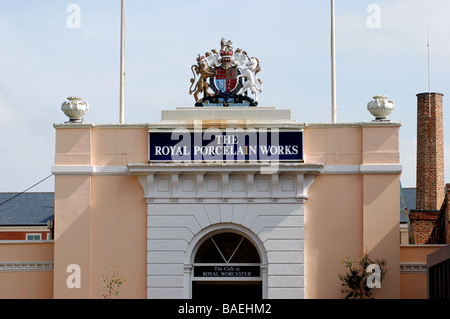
<point>408,162</point>
<point>403,30</point>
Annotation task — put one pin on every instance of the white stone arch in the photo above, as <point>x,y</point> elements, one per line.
<point>184,203</point>
<point>204,234</point>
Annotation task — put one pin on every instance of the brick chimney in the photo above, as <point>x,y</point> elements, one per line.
<point>430,184</point>
<point>447,217</point>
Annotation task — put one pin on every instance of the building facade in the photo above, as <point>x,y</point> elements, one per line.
<point>185,227</point>
<point>26,216</point>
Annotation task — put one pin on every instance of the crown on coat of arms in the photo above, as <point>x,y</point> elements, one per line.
<point>230,75</point>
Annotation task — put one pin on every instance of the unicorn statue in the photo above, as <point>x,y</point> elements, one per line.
<point>251,81</point>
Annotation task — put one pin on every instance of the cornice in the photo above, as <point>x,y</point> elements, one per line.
<point>23,228</point>
<point>8,266</point>
<point>354,124</point>
<point>224,167</point>
<point>258,123</point>
<point>413,268</point>
<point>282,167</point>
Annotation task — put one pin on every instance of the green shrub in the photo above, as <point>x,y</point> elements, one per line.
<point>112,283</point>
<point>355,279</point>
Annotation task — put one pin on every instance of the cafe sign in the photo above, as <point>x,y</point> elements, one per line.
<point>221,271</point>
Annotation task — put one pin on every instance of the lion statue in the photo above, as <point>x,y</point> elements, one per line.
<point>204,71</point>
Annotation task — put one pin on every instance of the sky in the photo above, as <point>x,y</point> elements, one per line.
<point>54,49</point>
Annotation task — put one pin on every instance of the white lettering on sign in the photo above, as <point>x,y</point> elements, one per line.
<point>227,145</point>
<point>230,145</point>
<point>172,150</point>
<point>227,271</point>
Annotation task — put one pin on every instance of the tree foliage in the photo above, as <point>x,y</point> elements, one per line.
<point>112,283</point>
<point>355,279</point>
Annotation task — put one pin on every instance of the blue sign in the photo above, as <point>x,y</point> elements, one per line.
<point>262,145</point>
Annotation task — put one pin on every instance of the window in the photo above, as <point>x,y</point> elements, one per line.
<point>227,264</point>
<point>227,248</point>
<point>33,237</point>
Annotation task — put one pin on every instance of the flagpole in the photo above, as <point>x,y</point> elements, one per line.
<point>122,64</point>
<point>333,68</point>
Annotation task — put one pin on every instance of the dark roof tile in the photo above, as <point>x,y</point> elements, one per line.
<point>26,208</point>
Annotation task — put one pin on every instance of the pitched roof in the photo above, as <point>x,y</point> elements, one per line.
<point>408,199</point>
<point>26,208</point>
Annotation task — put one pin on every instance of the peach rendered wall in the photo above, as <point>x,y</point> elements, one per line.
<point>26,284</point>
<point>347,213</point>
<point>415,285</point>
<point>380,145</point>
<point>333,145</point>
<point>73,146</point>
<point>120,237</point>
<point>352,144</point>
<point>111,145</point>
<point>115,146</point>
<point>332,231</point>
<point>381,225</point>
<point>72,234</point>
<point>94,227</point>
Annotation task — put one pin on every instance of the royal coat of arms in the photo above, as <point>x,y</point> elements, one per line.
<point>226,78</point>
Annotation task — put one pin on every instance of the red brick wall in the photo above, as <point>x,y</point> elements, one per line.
<point>430,152</point>
<point>18,235</point>
<point>422,224</point>
<point>447,217</point>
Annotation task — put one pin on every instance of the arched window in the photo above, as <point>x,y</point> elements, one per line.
<point>227,264</point>
<point>225,248</point>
